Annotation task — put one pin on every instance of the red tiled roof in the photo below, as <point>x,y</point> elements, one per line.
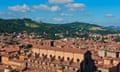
<point>2,67</point>
<point>11,49</point>
<point>71,50</point>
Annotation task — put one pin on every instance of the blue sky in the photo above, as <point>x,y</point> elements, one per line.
<point>101,12</point>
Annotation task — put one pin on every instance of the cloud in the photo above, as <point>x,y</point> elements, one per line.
<point>19,8</point>
<point>57,19</point>
<point>64,14</point>
<point>109,15</point>
<point>59,1</point>
<point>76,6</point>
<point>40,7</point>
<point>46,8</point>
<point>54,8</point>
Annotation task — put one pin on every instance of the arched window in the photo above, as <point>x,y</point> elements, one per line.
<point>45,63</point>
<point>58,57</point>
<point>68,58</point>
<point>78,60</point>
<point>73,69</point>
<point>54,65</point>
<point>41,43</point>
<point>42,54</point>
<point>62,58</point>
<point>50,56</point>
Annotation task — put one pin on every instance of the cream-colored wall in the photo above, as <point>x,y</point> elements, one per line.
<point>67,54</point>
<point>71,55</point>
<point>76,56</point>
<point>15,63</point>
<point>101,53</point>
<point>111,54</point>
<point>51,52</point>
<point>107,62</point>
<point>43,51</point>
<point>115,62</point>
<point>35,50</point>
<point>59,53</point>
<point>103,70</point>
<point>5,60</point>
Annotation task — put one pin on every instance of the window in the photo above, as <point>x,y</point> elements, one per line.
<point>78,60</point>
<point>105,54</point>
<point>50,56</point>
<point>45,55</point>
<point>73,69</point>
<point>62,58</point>
<point>41,43</point>
<point>117,54</point>
<point>68,58</point>
<point>58,57</point>
<point>0,59</point>
<point>42,54</point>
<point>45,63</point>
<point>52,43</point>
<point>54,65</point>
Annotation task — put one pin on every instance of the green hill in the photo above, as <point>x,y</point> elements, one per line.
<point>75,29</point>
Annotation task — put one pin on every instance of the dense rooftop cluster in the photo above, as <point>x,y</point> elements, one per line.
<point>26,53</point>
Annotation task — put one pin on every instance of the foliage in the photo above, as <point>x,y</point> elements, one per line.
<point>15,70</point>
<point>26,46</point>
<point>48,31</point>
<point>117,39</point>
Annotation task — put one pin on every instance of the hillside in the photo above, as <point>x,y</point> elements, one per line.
<point>47,30</point>
<point>114,27</point>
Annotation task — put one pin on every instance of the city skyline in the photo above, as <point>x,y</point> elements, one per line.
<point>103,12</point>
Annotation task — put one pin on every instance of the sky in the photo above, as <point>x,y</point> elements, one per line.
<point>101,12</point>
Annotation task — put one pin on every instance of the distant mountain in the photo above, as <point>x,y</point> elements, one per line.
<point>114,27</point>
<point>74,29</point>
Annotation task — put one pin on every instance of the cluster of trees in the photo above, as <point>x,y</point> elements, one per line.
<point>117,39</point>
<point>46,30</point>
